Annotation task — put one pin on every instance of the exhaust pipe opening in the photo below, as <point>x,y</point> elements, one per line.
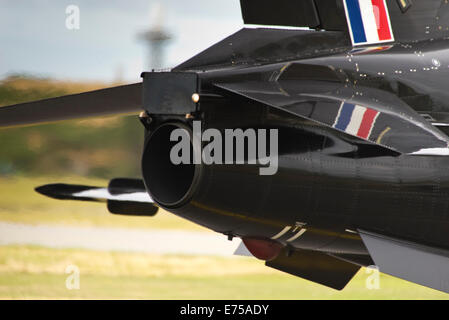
<point>168,184</point>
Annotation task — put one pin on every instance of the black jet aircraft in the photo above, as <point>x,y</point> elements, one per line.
<point>358,91</point>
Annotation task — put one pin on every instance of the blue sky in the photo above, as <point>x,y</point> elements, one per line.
<point>35,40</point>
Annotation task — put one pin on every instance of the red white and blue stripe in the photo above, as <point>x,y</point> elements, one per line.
<point>368,21</point>
<point>356,120</point>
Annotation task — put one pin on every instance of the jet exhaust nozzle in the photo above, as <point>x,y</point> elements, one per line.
<point>169,184</point>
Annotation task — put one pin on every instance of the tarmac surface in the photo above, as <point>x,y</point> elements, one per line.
<point>116,239</point>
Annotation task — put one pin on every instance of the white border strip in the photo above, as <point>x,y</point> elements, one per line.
<point>280,234</point>
<point>296,236</point>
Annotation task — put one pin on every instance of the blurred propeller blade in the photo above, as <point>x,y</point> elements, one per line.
<point>123,196</point>
<point>116,100</point>
<point>62,191</point>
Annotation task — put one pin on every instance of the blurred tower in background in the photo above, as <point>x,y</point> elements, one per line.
<point>156,38</point>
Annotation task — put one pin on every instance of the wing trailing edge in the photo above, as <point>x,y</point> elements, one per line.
<point>410,261</point>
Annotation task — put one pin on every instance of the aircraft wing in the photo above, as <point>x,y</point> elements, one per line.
<point>117,100</point>
<point>421,264</point>
<point>409,261</point>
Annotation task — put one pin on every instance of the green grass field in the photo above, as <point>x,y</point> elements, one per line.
<point>39,273</point>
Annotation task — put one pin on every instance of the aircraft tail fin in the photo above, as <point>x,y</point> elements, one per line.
<point>365,21</point>
<point>347,23</point>
<point>322,14</point>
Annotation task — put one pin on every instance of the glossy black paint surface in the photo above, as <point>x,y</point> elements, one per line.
<point>324,181</point>
<point>332,182</point>
<point>387,183</point>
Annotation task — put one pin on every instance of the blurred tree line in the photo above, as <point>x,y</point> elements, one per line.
<point>108,147</point>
